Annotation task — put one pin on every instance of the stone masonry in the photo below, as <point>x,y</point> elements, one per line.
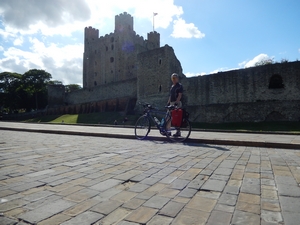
<point>123,67</point>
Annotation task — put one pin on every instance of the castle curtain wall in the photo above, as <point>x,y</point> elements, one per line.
<point>246,95</point>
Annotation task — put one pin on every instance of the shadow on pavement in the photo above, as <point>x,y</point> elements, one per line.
<point>159,140</point>
<point>206,146</point>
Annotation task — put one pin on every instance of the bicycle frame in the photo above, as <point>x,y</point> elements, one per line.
<point>166,116</point>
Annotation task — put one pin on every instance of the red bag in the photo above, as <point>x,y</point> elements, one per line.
<point>177,117</point>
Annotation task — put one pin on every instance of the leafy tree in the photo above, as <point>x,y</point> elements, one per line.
<point>72,87</point>
<point>27,91</point>
<point>55,82</point>
<point>34,83</point>
<point>9,89</point>
<point>284,61</point>
<point>265,61</point>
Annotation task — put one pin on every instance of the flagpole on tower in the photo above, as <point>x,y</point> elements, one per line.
<point>154,14</point>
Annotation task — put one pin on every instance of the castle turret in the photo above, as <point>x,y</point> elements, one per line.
<point>123,22</point>
<point>91,35</point>
<point>153,40</point>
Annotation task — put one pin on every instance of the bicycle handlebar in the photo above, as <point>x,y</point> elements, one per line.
<point>149,106</point>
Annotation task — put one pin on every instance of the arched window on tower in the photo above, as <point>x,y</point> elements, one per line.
<point>276,82</point>
<point>112,59</point>
<point>95,83</point>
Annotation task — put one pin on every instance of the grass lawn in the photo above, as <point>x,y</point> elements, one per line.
<point>91,118</point>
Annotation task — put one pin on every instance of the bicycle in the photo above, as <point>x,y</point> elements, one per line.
<point>143,124</point>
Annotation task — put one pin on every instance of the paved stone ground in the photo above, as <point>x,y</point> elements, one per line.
<point>62,179</point>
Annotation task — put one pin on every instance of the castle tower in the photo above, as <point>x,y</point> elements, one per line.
<point>153,40</point>
<point>113,57</point>
<point>123,23</point>
<point>91,36</point>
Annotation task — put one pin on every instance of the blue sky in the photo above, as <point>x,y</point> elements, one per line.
<point>207,35</point>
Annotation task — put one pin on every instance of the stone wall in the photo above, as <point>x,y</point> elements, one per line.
<point>245,85</point>
<point>246,94</point>
<point>56,95</point>
<point>246,112</point>
<point>110,105</point>
<point>154,72</point>
<point>121,89</point>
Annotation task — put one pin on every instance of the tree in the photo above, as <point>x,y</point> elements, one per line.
<point>55,82</point>
<point>27,91</point>
<point>34,83</point>
<point>72,87</point>
<point>9,89</point>
<point>265,61</point>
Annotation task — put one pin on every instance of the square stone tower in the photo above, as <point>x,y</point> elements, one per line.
<point>113,58</point>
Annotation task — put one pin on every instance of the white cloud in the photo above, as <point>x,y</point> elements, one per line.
<point>181,29</point>
<point>64,17</point>
<point>219,70</point>
<point>18,41</point>
<point>188,74</point>
<point>5,34</point>
<point>32,19</point>
<point>252,62</point>
<point>65,63</point>
<point>22,14</point>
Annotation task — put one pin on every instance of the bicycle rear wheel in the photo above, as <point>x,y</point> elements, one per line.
<point>179,134</point>
<point>142,127</point>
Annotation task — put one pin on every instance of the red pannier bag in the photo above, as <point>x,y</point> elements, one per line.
<point>177,117</point>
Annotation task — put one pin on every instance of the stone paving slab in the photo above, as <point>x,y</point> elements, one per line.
<point>63,179</point>
<point>46,211</point>
<point>270,140</point>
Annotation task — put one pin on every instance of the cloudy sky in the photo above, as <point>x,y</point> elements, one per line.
<point>207,35</point>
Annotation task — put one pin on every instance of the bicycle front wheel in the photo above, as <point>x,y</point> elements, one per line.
<point>142,127</point>
<point>180,134</point>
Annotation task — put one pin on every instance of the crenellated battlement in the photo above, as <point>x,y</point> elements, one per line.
<point>123,22</point>
<point>90,32</point>
<point>153,40</point>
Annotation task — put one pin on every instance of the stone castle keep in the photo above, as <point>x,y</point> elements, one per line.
<point>122,68</point>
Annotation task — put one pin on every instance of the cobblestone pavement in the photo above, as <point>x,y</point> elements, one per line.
<point>62,179</point>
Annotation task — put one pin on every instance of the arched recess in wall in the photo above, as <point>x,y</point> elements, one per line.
<point>276,82</point>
